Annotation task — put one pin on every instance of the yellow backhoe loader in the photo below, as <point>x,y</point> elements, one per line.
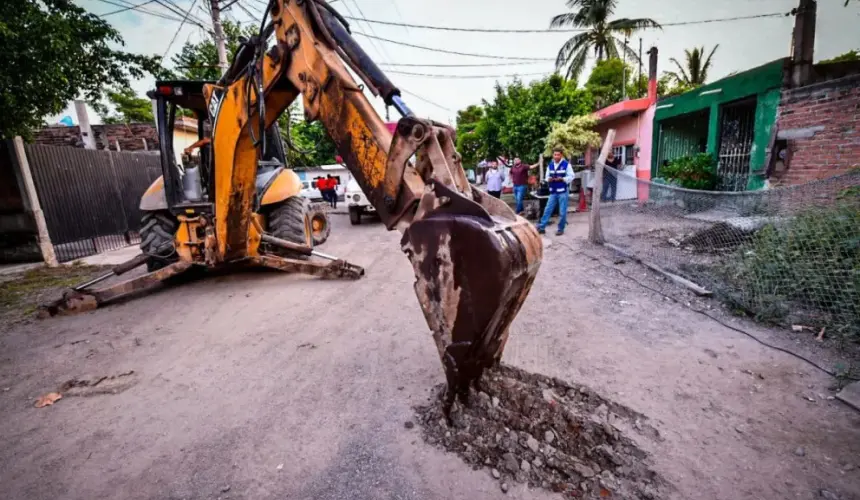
<point>474,259</point>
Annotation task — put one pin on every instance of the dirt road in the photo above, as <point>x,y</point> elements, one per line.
<point>265,386</point>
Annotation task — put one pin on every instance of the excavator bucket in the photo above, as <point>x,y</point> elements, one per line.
<point>473,272</point>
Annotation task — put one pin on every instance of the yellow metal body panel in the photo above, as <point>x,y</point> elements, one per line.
<point>153,198</point>
<point>285,185</point>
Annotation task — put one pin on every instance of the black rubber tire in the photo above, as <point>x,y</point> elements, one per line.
<point>355,216</point>
<point>157,234</point>
<point>289,220</point>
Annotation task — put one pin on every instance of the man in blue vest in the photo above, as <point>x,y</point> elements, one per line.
<point>559,175</point>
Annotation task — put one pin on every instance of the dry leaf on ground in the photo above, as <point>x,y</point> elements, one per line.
<point>48,399</point>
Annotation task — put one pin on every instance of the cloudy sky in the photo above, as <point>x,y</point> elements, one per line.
<point>742,43</point>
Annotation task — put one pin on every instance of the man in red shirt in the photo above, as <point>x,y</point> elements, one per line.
<point>520,178</point>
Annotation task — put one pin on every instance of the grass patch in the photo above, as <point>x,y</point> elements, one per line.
<point>21,295</point>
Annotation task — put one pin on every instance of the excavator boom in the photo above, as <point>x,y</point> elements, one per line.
<point>474,259</point>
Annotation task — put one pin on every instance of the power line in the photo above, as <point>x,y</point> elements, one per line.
<point>373,43</point>
<point>575,30</point>
<point>176,9</point>
<point>187,12</point>
<point>428,101</point>
<point>126,8</point>
<point>476,65</point>
<point>455,77</point>
<point>432,49</point>
<point>135,8</point>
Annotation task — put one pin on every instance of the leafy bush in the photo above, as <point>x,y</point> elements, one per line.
<point>692,172</point>
<point>807,267</point>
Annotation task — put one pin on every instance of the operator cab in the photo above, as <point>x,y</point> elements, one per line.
<point>187,160</point>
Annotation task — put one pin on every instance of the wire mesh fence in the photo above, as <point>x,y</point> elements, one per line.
<point>787,255</point>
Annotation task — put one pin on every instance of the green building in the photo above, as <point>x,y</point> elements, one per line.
<point>731,119</point>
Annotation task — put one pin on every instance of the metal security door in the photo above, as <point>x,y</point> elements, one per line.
<point>737,127</point>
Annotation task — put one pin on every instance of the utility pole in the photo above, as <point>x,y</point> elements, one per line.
<point>804,43</point>
<point>220,39</point>
<point>624,72</point>
<point>639,80</point>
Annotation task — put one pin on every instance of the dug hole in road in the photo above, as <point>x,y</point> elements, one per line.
<point>260,385</point>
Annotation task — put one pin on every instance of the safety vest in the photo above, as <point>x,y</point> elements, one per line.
<point>558,170</point>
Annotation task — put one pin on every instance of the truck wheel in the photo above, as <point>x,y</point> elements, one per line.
<point>157,232</point>
<point>289,220</point>
<point>355,216</point>
<point>320,225</point>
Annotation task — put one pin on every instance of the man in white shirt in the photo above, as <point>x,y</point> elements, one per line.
<point>559,175</point>
<point>495,179</point>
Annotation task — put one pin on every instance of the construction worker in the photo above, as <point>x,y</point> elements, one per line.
<point>559,175</point>
<point>331,183</point>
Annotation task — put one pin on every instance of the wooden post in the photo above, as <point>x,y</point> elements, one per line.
<point>540,170</point>
<point>31,199</point>
<point>595,231</point>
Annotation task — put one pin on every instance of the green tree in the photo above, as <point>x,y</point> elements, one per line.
<point>851,55</point>
<point>574,135</point>
<point>694,71</point>
<point>606,80</point>
<point>53,52</point>
<point>518,119</point>
<point>601,36</point>
<point>128,107</point>
<point>308,144</point>
<point>199,61</point>
<point>667,86</point>
<point>468,140</point>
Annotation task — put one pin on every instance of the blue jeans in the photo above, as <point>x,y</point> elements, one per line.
<point>520,195</point>
<point>556,200</point>
<point>610,183</point>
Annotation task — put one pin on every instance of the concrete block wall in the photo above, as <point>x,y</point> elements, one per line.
<point>129,136</point>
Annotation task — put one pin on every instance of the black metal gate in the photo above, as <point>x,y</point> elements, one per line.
<point>737,127</point>
<point>90,198</point>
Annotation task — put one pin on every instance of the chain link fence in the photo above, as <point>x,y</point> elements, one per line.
<point>788,255</point>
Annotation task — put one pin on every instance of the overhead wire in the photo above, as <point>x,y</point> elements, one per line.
<point>125,9</point>
<point>130,6</point>
<point>455,77</point>
<point>475,65</point>
<point>432,49</point>
<point>172,6</point>
<point>172,40</point>
<point>545,30</point>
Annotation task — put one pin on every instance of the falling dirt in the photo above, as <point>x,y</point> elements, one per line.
<point>539,430</point>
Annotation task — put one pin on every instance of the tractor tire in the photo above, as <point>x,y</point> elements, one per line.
<point>320,225</point>
<point>289,220</point>
<point>157,234</point>
<point>355,216</point>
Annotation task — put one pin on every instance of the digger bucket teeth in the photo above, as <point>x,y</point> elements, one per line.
<point>473,273</point>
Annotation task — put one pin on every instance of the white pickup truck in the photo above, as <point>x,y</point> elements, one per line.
<point>357,202</point>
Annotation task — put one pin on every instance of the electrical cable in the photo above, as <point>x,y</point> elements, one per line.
<point>477,65</point>
<point>714,318</point>
<point>466,77</point>
<point>443,51</point>
<point>176,9</point>
<point>428,101</point>
<point>575,30</point>
<point>141,10</point>
<point>193,3</point>
<point>126,8</point>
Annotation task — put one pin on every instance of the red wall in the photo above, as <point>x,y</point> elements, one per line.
<point>835,149</point>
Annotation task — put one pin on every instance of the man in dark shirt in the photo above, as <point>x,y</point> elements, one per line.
<point>520,178</point>
<point>610,180</point>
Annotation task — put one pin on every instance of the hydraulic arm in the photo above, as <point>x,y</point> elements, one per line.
<point>474,259</point>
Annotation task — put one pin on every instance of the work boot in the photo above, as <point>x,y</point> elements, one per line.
<point>559,232</point>
<point>541,230</point>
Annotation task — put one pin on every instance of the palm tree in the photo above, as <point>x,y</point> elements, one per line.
<point>696,71</point>
<point>604,37</point>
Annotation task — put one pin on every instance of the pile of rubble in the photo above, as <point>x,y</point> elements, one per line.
<point>547,433</point>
